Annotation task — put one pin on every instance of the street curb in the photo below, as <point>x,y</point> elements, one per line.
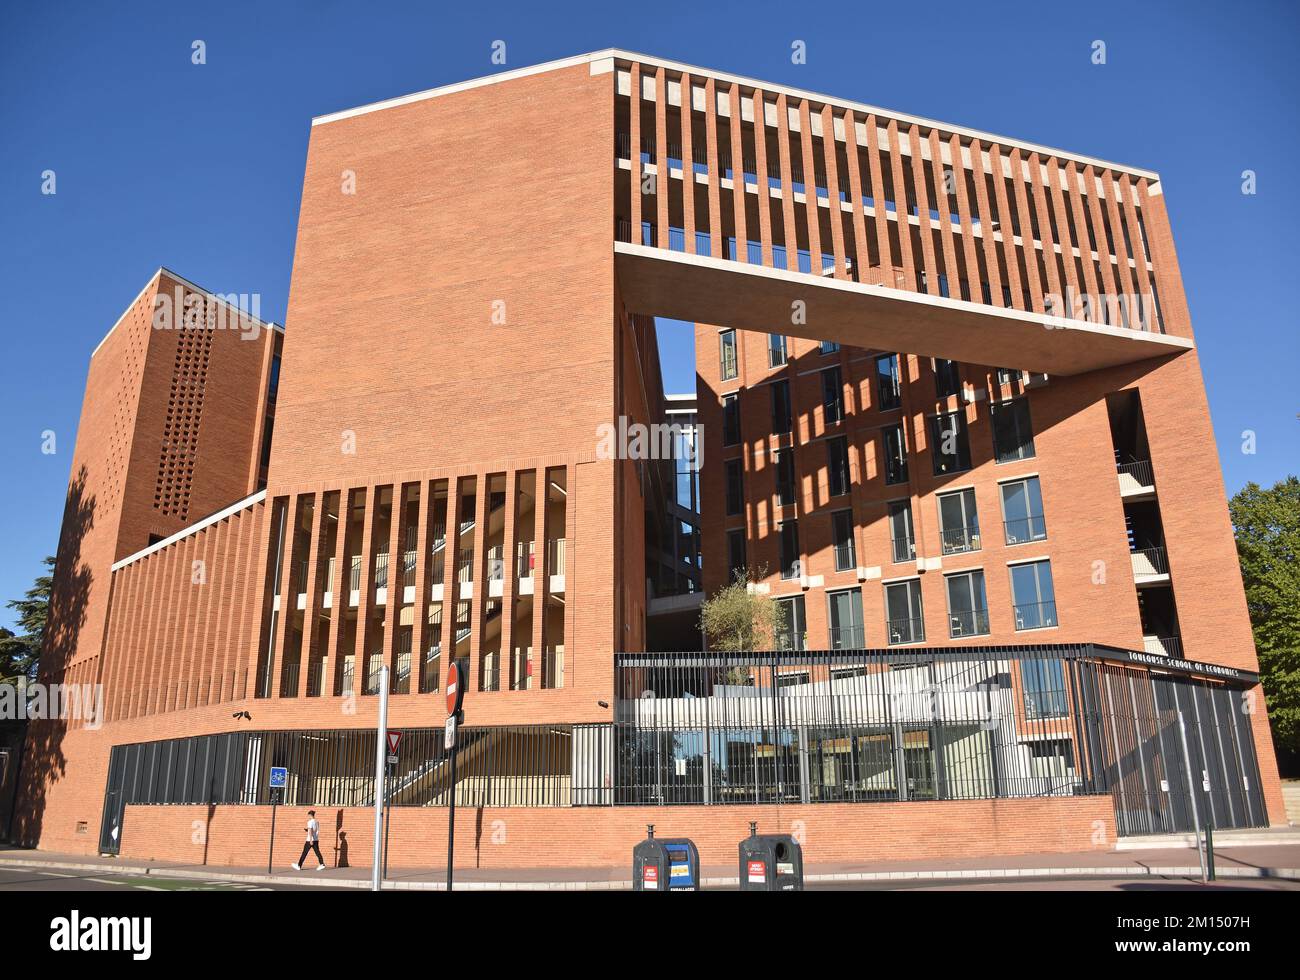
<point>865,877</point>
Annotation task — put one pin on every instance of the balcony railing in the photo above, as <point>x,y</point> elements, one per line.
<point>555,554</point>
<point>524,559</point>
<point>289,680</point>
<point>553,668</point>
<point>464,564</point>
<point>489,674</point>
<point>904,549</point>
<point>429,669</point>
<point>381,570</point>
<point>1163,646</point>
<point>316,679</point>
<point>1149,562</point>
<point>956,540</point>
<point>354,576</point>
<point>496,566</point>
<point>1046,704</point>
<point>905,631</point>
<point>969,622</point>
<point>373,668</point>
<point>1022,529</point>
<point>401,680</point>
<point>1135,475</point>
<point>847,638</point>
<point>1035,615</point>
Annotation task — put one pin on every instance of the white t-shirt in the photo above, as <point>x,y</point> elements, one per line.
<point>313,828</point>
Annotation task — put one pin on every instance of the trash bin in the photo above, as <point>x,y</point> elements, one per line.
<point>770,862</point>
<point>668,864</point>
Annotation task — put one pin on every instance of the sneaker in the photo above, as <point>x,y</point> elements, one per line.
<point>321,868</point>
<point>295,867</point>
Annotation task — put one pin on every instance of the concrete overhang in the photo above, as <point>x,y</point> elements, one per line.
<point>702,289</point>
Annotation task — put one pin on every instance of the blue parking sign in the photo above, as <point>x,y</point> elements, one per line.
<point>279,777</point>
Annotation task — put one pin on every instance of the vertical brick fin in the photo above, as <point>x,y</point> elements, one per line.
<point>1104,260</point>
<point>688,168</point>
<point>1039,192</point>
<point>811,207</point>
<point>311,589</point>
<point>1125,276</point>
<point>715,174</point>
<point>1072,284</point>
<point>829,155</point>
<point>943,205</point>
<point>1028,248</point>
<point>969,255</point>
<point>634,152</point>
<point>861,244</point>
<point>923,213</point>
<point>1083,243</point>
<point>902,214</point>
<point>787,184</point>
<point>663,176</point>
<point>764,182</point>
<point>1164,257</point>
<point>1141,276</point>
<point>738,193</point>
<point>988,235</point>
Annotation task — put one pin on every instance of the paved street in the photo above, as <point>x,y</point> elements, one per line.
<point>57,879</point>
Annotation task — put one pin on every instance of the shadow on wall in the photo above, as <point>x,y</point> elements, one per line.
<point>43,762</point>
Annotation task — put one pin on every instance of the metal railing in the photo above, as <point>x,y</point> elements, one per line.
<point>429,669</point>
<point>289,680</point>
<point>846,637</point>
<point>496,566</point>
<point>464,565</point>
<point>904,549</point>
<point>1022,529</point>
<point>1138,471</point>
<point>354,576</point>
<point>1163,646</point>
<point>956,540</point>
<point>910,630</point>
<point>969,622</point>
<point>316,679</point>
<point>1148,562</point>
<point>381,570</point>
<point>524,559</point>
<point>555,555</point>
<point>1035,615</point>
<point>553,668</point>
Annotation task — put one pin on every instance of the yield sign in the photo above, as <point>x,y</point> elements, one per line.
<point>394,740</point>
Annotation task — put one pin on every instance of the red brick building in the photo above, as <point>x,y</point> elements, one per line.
<point>954,411</point>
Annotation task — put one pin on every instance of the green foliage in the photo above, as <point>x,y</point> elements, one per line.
<point>20,653</point>
<point>736,620</point>
<point>1267,526</point>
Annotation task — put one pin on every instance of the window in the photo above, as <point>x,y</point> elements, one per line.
<point>837,465</point>
<point>273,387</point>
<point>904,621</point>
<point>727,342</point>
<point>780,407</point>
<point>1013,436</point>
<point>730,420</point>
<point>785,477</point>
<point>1008,376</point>
<point>1032,595</point>
<point>735,488</point>
<point>736,561</point>
<point>776,353</point>
<point>842,536</point>
<point>900,530</point>
<point>790,566</point>
<point>1044,683</point>
<point>1022,511</point>
<point>895,454</point>
<point>887,382</point>
<point>794,624</point>
<point>832,395</point>
<point>968,613</point>
<point>827,346</point>
<point>947,378</point>
<point>845,617</point>
<point>951,452</point>
<point>959,523</point>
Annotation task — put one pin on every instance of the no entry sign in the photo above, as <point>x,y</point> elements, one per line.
<point>456,681</point>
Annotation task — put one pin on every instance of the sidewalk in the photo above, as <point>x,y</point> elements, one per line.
<point>1261,854</point>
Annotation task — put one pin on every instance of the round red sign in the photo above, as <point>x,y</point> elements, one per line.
<point>453,686</point>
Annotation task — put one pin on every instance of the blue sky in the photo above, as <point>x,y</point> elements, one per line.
<point>198,167</point>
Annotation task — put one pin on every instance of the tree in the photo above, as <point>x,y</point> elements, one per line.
<point>20,654</point>
<point>736,620</point>
<point>1267,527</point>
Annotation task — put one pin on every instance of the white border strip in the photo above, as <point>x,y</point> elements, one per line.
<point>185,532</point>
<point>676,66</point>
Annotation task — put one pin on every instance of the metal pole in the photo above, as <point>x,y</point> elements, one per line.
<point>1191,792</point>
<point>381,747</point>
<point>451,811</point>
<point>388,826</point>
<point>270,852</point>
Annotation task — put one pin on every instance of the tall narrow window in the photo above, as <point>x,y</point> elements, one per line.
<point>968,613</point>
<point>790,564</point>
<point>832,395</point>
<point>842,535</point>
<point>1022,511</point>
<point>736,561</point>
<point>735,488</point>
<point>1044,683</point>
<point>895,454</point>
<point>1013,436</point>
<point>776,353</point>
<point>1032,595</point>
<point>794,624</point>
<point>959,523</point>
<point>785,477</point>
<point>781,420</point>
<point>727,343</point>
<point>730,420</point>
<point>844,613</point>
<point>947,377</point>
<point>905,622</point>
<point>900,530</point>
<point>888,382</point>
<point>951,450</point>
<point>837,465</point>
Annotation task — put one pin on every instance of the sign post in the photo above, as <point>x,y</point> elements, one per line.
<point>457,678</point>
<point>279,780</point>
<point>394,739</point>
<point>376,860</point>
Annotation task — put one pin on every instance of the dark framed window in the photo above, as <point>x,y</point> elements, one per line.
<point>1044,684</point>
<point>794,624</point>
<point>785,477</point>
<point>947,377</point>
<point>968,613</point>
<point>832,395</point>
<point>730,420</point>
<point>1013,434</point>
<point>781,420</point>
<point>888,382</point>
<point>790,564</point>
<point>736,561</point>
<point>959,523</point>
<point>735,488</point>
<point>895,447</point>
<point>951,450</point>
<point>727,347</point>
<point>842,536</point>
<point>1032,595</point>
<point>829,347</point>
<point>844,615</point>
<point>900,530</point>
<point>776,350</point>
<point>837,465</point>
<point>904,619</point>
<point>1022,511</point>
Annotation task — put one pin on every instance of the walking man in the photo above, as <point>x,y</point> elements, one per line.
<point>313,843</point>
